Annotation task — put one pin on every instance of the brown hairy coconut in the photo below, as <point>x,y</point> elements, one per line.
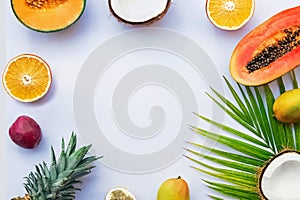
<point>138,12</point>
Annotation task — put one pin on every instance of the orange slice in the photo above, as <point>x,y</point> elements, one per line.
<point>229,14</point>
<point>27,78</point>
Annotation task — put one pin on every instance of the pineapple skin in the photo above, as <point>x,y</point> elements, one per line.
<point>26,197</point>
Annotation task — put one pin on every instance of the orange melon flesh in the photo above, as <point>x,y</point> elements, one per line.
<point>47,19</point>
<point>249,45</point>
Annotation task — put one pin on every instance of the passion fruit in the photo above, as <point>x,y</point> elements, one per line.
<point>119,193</point>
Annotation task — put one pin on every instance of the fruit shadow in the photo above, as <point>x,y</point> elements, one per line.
<point>70,33</point>
<point>57,37</point>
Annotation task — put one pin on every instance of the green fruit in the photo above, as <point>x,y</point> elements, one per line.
<point>286,107</point>
<point>174,189</point>
<point>61,179</point>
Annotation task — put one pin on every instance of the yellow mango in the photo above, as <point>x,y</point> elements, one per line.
<point>174,189</point>
<point>286,107</point>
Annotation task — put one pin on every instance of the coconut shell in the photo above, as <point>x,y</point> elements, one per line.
<point>147,22</point>
<point>261,171</point>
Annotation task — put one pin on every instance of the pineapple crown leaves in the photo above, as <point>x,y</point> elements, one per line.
<point>263,138</point>
<point>58,182</point>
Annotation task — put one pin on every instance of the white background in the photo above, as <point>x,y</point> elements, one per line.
<point>66,51</point>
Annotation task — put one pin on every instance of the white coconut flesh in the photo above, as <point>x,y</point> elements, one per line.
<point>119,193</point>
<point>281,178</point>
<point>137,11</point>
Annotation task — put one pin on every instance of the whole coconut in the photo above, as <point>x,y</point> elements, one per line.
<point>25,132</point>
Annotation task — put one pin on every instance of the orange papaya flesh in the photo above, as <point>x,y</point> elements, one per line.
<point>268,51</point>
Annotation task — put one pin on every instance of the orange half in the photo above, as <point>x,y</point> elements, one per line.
<point>27,78</point>
<point>229,14</point>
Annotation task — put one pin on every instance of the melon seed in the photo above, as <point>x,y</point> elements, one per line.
<point>44,3</point>
<point>272,52</point>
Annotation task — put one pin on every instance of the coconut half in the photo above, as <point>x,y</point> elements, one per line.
<point>139,11</point>
<point>280,178</point>
<point>119,193</point>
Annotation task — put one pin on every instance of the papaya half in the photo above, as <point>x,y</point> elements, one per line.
<point>48,15</point>
<point>268,51</point>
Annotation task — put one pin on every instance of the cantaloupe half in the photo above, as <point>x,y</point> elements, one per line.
<point>48,15</point>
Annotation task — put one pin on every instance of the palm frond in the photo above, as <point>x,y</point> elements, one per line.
<point>215,198</point>
<point>234,191</point>
<point>262,138</point>
<point>232,156</point>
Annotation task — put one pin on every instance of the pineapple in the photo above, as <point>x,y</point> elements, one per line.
<point>240,173</point>
<point>58,182</point>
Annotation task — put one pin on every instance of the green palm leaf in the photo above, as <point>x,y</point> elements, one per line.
<point>262,139</point>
